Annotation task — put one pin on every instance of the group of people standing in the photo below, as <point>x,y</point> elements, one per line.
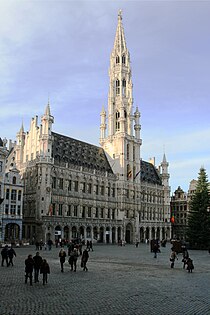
<point>187,261</point>
<point>74,252</point>
<point>37,265</point>
<point>7,255</point>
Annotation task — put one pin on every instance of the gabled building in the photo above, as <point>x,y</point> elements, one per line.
<point>180,207</point>
<point>11,197</point>
<point>106,193</point>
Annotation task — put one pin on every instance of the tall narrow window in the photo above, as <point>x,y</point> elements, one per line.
<point>83,212</point>
<point>117,59</point>
<point>60,210</point>
<point>69,211</point>
<point>75,211</point>
<point>117,121</point>
<point>117,87</point>
<point>14,180</point>
<point>89,212</point>
<point>19,195</point>
<point>128,153</point>
<point>96,189</point>
<point>124,87</point>
<point>69,185</point>
<point>76,185</point>
<point>83,187</point>
<point>54,182</point>
<point>7,193</point>
<point>53,209</point>
<point>61,183</point>
<point>123,59</point>
<point>13,194</point>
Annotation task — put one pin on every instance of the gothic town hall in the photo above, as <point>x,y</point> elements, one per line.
<point>106,193</point>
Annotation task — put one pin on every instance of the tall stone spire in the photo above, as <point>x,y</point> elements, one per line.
<point>122,142</point>
<point>120,43</point>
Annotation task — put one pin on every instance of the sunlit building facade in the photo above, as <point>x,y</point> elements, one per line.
<point>107,193</point>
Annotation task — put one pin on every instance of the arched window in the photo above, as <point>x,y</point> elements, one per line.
<point>14,180</point>
<point>117,59</point>
<point>117,87</point>
<point>123,59</point>
<point>124,83</point>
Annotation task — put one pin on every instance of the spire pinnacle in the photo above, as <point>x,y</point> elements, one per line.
<point>47,110</point>
<point>120,15</point>
<point>120,44</point>
<point>22,128</point>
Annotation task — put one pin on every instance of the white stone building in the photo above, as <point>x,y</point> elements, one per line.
<point>108,193</point>
<point>11,197</point>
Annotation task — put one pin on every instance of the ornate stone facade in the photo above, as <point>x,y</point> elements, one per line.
<point>11,197</point>
<point>75,189</point>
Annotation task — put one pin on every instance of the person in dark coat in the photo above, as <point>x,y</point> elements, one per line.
<point>84,260</point>
<point>37,264</point>
<point>91,245</point>
<point>62,255</point>
<point>155,250</point>
<point>11,254</point>
<point>190,265</point>
<point>29,267</point>
<point>73,260</point>
<point>173,256</point>
<point>45,270</point>
<point>49,244</point>
<point>4,256</point>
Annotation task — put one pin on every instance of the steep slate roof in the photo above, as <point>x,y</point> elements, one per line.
<point>149,173</point>
<point>76,152</point>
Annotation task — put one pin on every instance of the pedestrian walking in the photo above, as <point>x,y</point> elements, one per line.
<point>190,265</point>
<point>49,244</point>
<point>62,255</point>
<point>37,245</point>
<point>29,267</point>
<point>155,249</point>
<point>37,264</point>
<point>91,245</point>
<point>185,257</point>
<point>75,256</point>
<point>173,256</point>
<point>84,260</point>
<point>4,255</point>
<point>44,270</point>
<point>88,245</point>
<point>11,254</point>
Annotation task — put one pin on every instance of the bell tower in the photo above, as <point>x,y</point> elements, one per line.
<point>122,141</point>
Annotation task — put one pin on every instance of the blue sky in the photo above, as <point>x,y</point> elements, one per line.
<point>61,49</point>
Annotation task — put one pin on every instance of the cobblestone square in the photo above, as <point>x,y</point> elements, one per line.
<point>120,280</point>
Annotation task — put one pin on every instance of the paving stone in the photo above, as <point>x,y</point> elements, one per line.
<point>120,280</point>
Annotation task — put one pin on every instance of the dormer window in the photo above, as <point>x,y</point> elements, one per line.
<point>14,180</point>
